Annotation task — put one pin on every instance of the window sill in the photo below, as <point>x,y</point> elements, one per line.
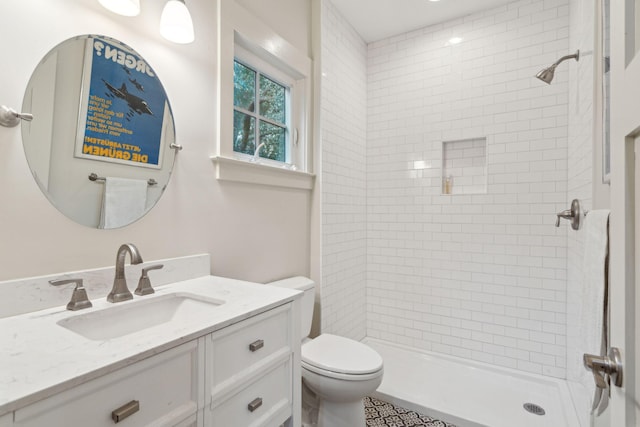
<point>228,169</point>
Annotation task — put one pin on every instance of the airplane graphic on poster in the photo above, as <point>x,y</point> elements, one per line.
<point>135,103</point>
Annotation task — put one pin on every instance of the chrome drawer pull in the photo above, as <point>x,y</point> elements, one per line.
<point>256,345</point>
<point>255,404</point>
<point>124,411</point>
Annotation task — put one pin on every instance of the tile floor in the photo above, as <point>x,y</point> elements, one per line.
<point>382,414</point>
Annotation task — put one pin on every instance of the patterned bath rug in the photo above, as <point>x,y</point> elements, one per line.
<point>383,414</point>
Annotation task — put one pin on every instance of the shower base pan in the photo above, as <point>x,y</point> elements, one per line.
<point>471,394</point>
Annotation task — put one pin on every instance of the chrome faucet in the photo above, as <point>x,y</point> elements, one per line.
<point>120,291</point>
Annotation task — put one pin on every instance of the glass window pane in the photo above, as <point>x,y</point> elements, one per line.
<point>244,87</point>
<point>272,100</point>
<point>244,131</point>
<point>274,139</point>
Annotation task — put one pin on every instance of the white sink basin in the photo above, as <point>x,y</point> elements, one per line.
<point>135,316</point>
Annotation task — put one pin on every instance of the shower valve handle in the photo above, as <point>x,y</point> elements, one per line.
<point>574,215</point>
<point>566,214</point>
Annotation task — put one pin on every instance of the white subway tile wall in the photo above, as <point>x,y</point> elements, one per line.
<point>481,276</point>
<point>344,214</point>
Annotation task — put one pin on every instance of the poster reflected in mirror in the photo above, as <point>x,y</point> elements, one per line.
<point>121,113</point>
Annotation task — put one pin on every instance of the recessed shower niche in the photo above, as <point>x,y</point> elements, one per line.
<point>464,166</point>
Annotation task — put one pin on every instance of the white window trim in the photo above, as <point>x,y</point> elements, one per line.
<point>238,27</point>
<point>228,169</point>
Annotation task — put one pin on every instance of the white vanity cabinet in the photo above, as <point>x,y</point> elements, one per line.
<point>234,364</point>
<point>249,371</point>
<point>166,388</point>
<point>245,374</point>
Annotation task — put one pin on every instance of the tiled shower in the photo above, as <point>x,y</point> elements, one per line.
<point>476,275</point>
<point>480,273</point>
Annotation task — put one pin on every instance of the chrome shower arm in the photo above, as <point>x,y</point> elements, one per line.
<point>575,56</point>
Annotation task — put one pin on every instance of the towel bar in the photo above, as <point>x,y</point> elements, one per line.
<point>95,177</point>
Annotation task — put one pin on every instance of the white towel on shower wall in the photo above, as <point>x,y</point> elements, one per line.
<point>124,201</point>
<point>592,308</point>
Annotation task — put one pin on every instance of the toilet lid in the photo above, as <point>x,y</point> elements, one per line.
<point>342,355</point>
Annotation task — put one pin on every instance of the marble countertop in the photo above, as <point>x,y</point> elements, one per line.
<point>39,358</point>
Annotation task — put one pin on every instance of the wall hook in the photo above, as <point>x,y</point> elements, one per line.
<point>10,118</point>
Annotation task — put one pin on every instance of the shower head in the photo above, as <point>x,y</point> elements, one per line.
<point>546,75</point>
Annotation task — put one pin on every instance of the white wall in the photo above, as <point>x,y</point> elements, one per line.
<point>344,133</point>
<point>291,19</point>
<point>252,232</point>
<point>479,276</point>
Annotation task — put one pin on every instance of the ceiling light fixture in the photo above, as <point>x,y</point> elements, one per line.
<point>175,23</point>
<point>455,40</point>
<point>122,7</point>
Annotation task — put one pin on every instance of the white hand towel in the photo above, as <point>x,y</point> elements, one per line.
<point>592,309</point>
<point>124,202</point>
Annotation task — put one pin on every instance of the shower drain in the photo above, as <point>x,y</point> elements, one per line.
<point>533,408</point>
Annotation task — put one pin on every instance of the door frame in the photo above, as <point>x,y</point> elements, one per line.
<point>625,129</point>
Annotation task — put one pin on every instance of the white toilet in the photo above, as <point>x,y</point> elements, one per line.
<point>340,371</point>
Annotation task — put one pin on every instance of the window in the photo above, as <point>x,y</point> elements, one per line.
<point>264,103</point>
<point>261,116</point>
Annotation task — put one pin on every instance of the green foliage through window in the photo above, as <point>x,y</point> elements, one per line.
<point>252,88</point>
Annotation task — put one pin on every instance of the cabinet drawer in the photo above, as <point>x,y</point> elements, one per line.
<point>238,347</point>
<point>166,387</point>
<point>264,403</point>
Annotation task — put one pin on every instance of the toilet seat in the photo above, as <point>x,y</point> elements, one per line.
<point>339,376</point>
<point>341,358</point>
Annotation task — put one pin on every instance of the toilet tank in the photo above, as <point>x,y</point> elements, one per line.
<point>307,286</point>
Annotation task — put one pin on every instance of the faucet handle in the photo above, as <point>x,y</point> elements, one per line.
<point>79,298</point>
<point>144,284</point>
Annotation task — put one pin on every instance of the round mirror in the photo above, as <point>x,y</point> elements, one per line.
<point>101,144</point>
